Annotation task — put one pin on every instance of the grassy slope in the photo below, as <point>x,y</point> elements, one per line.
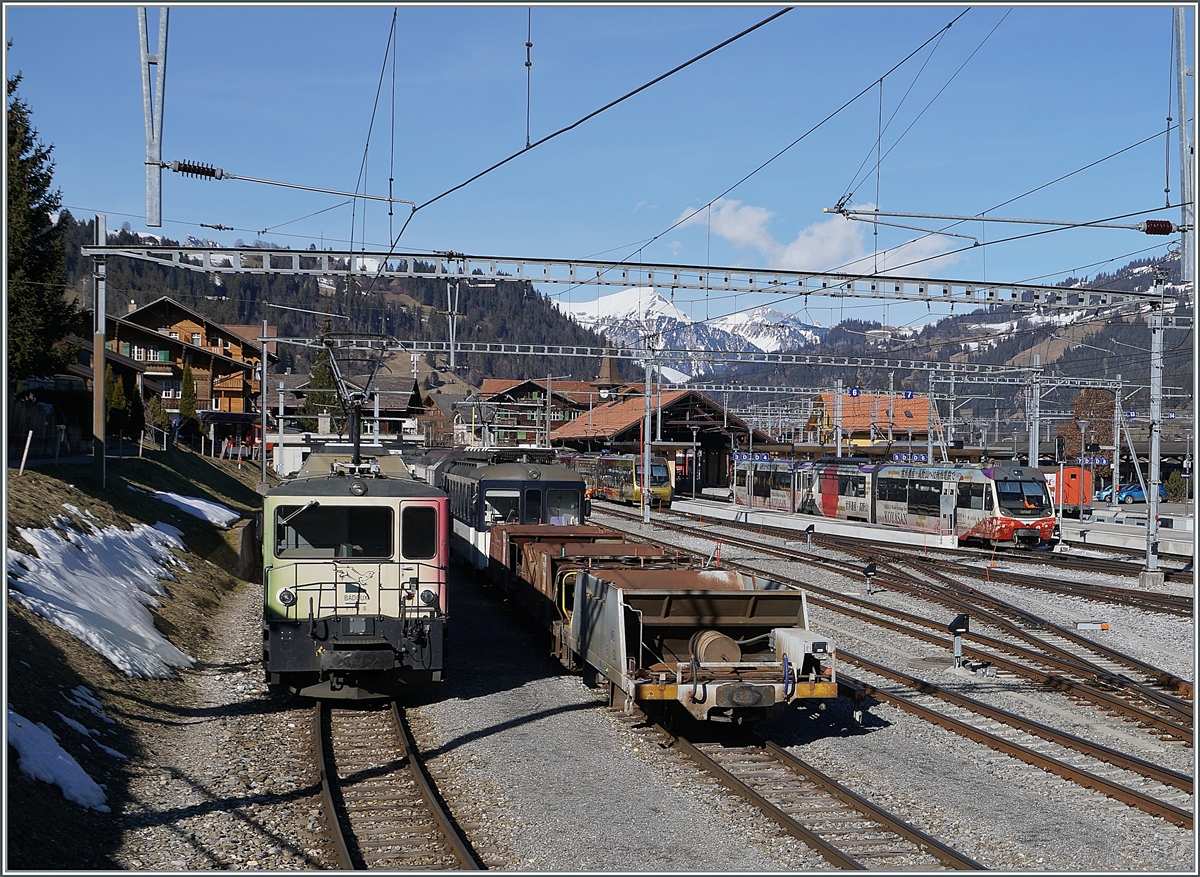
<point>43,662</point>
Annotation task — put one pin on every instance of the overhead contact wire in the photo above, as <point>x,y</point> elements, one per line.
<point>576,124</point>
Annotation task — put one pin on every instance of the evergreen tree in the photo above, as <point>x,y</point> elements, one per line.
<point>155,414</point>
<point>115,404</point>
<point>136,413</point>
<point>321,395</point>
<point>187,400</point>
<point>39,317</point>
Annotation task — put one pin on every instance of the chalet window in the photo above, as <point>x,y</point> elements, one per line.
<point>175,335</point>
<point>139,353</point>
<point>214,341</point>
<point>196,338</point>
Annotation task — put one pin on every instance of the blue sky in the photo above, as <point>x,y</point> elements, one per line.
<point>287,94</point>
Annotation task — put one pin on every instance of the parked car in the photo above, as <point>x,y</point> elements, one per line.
<point>1130,493</point>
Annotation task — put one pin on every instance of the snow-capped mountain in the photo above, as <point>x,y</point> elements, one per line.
<point>626,317</point>
<point>771,331</point>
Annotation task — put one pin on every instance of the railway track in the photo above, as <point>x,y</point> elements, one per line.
<point>1085,668</point>
<point>1173,604</point>
<point>381,804</point>
<point>848,830</point>
<point>1154,700</point>
<point>1132,781</point>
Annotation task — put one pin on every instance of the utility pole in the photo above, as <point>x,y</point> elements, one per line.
<point>646,442</point>
<point>1116,448</point>
<point>1035,404</point>
<point>1187,210</point>
<point>837,415</point>
<point>452,316</point>
<point>100,288</point>
<point>891,404</point>
<point>152,110</point>
<point>929,435</point>
<point>262,397</point>
<point>1152,575</point>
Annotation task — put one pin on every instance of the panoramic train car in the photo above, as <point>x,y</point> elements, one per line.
<point>484,494</point>
<point>996,504</point>
<point>721,645</point>
<point>354,579</point>
<point>618,478</point>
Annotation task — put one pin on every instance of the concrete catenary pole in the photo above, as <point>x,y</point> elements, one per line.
<point>1156,369</point>
<point>152,110</point>
<point>100,288</point>
<point>1187,210</point>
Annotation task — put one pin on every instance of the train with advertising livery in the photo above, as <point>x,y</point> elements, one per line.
<point>618,478</point>
<point>355,555</point>
<point>993,504</point>
<point>666,631</point>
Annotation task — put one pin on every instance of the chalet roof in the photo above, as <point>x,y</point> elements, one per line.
<point>860,413</point>
<point>605,421</point>
<point>573,391</point>
<point>113,321</point>
<point>251,333</point>
<point>608,421</point>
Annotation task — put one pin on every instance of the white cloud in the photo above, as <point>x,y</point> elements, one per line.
<point>832,244</point>
<point>741,226</point>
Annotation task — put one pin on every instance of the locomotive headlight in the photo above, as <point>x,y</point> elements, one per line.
<point>358,488</point>
<point>428,596</point>
<point>287,597</point>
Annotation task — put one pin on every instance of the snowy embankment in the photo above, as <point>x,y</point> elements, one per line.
<point>210,511</point>
<point>98,584</point>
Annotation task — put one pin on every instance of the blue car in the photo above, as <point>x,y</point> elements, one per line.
<point>1130,493</point>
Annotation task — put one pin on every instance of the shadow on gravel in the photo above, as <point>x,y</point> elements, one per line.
<point>492,645</point>
<point>798,727</point>
<point>239,807</point>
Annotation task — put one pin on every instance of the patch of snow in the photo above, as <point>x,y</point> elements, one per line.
<point>98,587</point>
<point>39,756</point>
<point>84,699</point>
<point>213,512</point>
<point>74,725</point>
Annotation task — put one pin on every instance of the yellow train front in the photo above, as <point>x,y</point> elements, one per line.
<point>354,580</point>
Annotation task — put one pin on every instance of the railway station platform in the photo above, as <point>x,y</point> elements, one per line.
<point>725,511</point>
<point>1128,531</point>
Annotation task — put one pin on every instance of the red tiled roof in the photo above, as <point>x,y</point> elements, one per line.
<point>859,413</point>
<point>613,417</point>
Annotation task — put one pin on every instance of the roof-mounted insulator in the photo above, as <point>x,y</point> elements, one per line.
<point>1158,226</point>
<point>196,169</point>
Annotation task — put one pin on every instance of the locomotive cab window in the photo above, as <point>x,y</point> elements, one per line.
<point>1023,498</point>
<point>500,506</point>
<point>333,531</point>
<point>564,506</point>
<point>533,507</point>
<point>418,532</point>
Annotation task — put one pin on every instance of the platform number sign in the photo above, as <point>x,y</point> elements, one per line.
<point>909,394</point>
<point>854,391</point>
<point>1132,415</point>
